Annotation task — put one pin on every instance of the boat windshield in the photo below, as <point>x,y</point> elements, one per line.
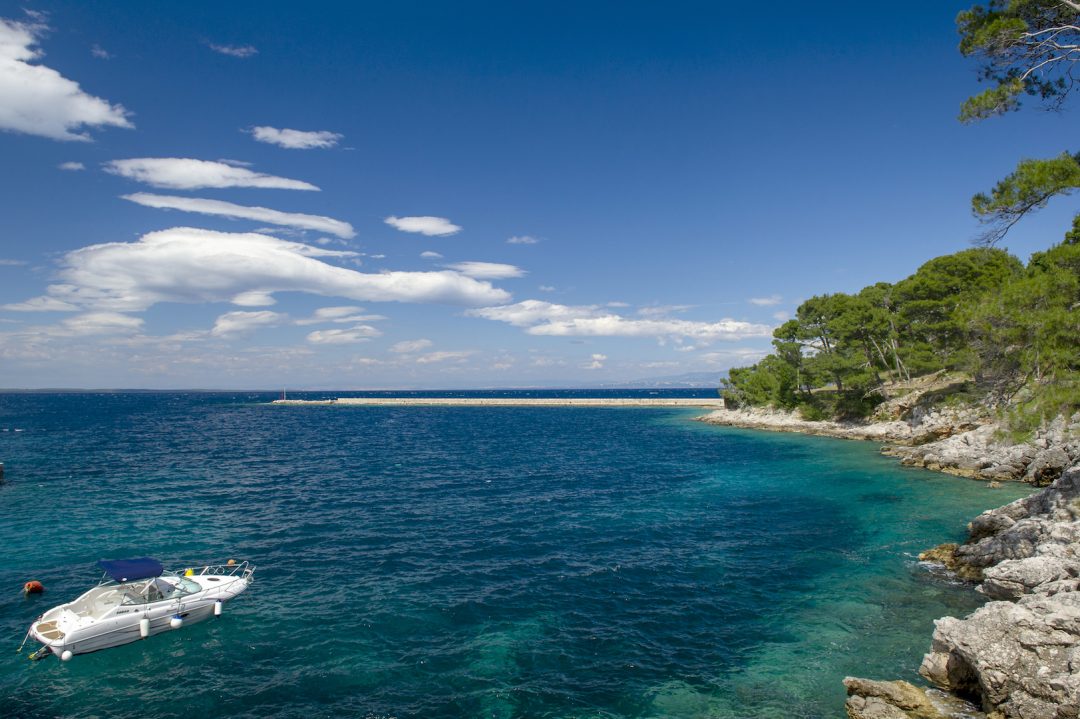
<point>158,589</point>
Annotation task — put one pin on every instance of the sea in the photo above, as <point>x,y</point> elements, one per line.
<point>471,561</point>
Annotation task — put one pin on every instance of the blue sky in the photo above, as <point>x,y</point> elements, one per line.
<point>612,191</point>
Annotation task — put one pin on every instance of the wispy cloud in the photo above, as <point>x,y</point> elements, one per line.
<point>597,362</point>
<point>241,51</point>
<point>410,346</point>
<point>352,335</point>
<point>102,323</point>
<point>445,356</point>
<point>546,318</point>
<point>522,240</point>
<point>734,357</point>
<point>41,304</point>
<point>487,270</point>
<point>99,52</point>
<point>71,166</point>
<point>38,100</point>
<point>181,173</point>
<point>234,323</point>
<point>424,225</point>
<point>429,255</point>
<point>12,263</point>
<point>339,315</point>
<point>191,265</point>
<point>203,206</point>
<point>653,311</point>
<point>769,301</point>
<point>296,139</point>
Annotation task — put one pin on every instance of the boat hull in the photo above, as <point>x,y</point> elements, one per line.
<point>55,630</point>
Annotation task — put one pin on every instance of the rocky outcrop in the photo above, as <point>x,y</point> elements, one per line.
<point>963,441</point>
<point>983,453</point>
<point>1018,657</point>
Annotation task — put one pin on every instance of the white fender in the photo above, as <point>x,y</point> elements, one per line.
<point>217,608</point>
<point>144,627</point>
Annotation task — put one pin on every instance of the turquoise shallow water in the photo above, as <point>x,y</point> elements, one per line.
<point>471,562</point>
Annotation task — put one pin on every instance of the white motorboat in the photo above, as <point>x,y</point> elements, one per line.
<point>135,599</point>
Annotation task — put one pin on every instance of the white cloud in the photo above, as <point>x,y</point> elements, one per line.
<point>487,270</point>
<point>546,288</point>
<point>597,362</point>
<point>532,312</point>
<point>769,301</point>
<point>184,264</point>
<point>348,313</point>
<point>734,357</point>
<point>234,50</point>
<point>409,346</point>
<point>429,255</point>
<point>233,323</point>
<point>616,326</point>
<point>360,333</point>
<point>12,263</point>
<point>522,240</point>
<point>258,214</point>
<point>181,173</point>
<point>445,356</point>
<point>781,316</point>
<point>102,323</point>
<point>332,313</point>
<point>432,226</point>
<point>71,166</point>
<point>38,100</point>
<point>41,304</point>
<point>546,318</point>
<point>295,139</point>
<point>99,52</point>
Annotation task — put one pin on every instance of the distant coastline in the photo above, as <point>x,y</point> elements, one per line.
<point>703,402</point>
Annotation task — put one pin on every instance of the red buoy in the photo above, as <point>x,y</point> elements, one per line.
<point>33,587</point>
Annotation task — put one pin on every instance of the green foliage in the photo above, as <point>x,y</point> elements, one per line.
<point>928,302</point>
<point>1029,187</point>
<point>980,310</point>
<point>1024,47</point>
<point>992,101</point>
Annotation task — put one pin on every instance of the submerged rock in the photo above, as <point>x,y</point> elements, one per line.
<point>902,700</point>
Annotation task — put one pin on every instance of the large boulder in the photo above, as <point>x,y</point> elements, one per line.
<point>1018,659</point>
<point>1047,466</point>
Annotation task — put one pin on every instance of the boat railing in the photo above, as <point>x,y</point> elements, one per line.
<point>236,569</point>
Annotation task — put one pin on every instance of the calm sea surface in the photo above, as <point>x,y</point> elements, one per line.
<point>470,562</point>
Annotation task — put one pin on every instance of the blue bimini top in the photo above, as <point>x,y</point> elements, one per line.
<point>128,570</point>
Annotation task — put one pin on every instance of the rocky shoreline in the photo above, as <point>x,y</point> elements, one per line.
<point>1018,656</point>
<point>966,442</point>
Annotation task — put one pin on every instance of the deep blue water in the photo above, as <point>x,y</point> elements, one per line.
<point>470,562</point>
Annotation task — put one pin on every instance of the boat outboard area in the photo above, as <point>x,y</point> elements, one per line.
<point>135,599</point>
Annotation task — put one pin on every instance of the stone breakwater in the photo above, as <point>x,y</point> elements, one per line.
<point>966,442</point>
<point>1019,655</point>
<point>708,402</point>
